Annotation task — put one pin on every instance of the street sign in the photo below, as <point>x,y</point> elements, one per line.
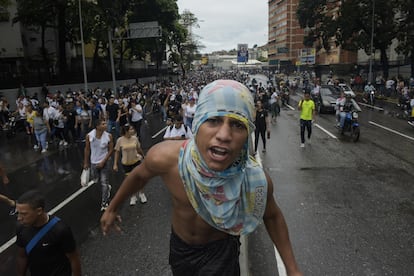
<point>144,30</point>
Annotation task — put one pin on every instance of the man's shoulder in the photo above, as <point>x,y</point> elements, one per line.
<point>164,153</point>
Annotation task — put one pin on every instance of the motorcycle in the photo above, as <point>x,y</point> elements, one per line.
<point>372,98</point>
<point>351,125</point>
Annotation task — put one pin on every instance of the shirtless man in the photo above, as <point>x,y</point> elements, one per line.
<point>219,192</point>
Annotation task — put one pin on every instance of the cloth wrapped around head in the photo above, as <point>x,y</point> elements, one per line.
<point>232,200</point>
<point>226,98</point>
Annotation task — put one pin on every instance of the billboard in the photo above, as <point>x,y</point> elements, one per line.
<point>242,53</point>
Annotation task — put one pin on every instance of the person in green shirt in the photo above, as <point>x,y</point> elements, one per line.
<point>306,107</point>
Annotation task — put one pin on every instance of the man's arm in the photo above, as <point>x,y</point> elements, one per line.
<point>75,262</point>
<point>21,261</point>
<point>277,229</point>
<point>157,162</point>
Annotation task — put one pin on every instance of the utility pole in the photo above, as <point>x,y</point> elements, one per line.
<point>372,41</point>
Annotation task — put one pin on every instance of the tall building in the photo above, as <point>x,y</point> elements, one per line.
<point>285,35</point>
<point>285,43</point>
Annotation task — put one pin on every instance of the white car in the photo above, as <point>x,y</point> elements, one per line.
<point>347,90</point>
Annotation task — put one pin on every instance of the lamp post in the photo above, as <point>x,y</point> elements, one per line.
<point>372,42</point>
<point>85,77</point>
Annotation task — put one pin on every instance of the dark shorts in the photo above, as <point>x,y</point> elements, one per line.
<point>219,257</point>
<point>129,168</point>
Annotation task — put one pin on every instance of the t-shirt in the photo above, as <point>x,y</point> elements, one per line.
<point>183,132</point>
<point>48,255</point>
<point>260,120</point>
<point>307,110</point>
<point>112,110</point>
<point>39,124</point>
<point>128,148</point>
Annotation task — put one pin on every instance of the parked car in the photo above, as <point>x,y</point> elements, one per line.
<point>326,99</point>
<point>347,90</point>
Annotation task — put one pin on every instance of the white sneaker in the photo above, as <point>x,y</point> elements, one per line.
<point>133,200</point>
<point>65,143</point>
<point>302,145</point>
<point>142,197</point>
<point>44,151</point>
<point>61,143</point>
<point>36,147</point>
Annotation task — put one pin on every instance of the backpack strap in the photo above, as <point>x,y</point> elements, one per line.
<point>40,234</point>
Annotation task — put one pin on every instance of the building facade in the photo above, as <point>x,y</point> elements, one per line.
<point>285,35</point>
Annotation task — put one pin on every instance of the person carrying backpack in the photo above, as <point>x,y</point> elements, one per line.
<point>178,131</point>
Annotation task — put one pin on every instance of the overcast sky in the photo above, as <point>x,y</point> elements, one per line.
<point>226,23</point>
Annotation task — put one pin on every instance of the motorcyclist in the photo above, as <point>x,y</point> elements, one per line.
<point>339,108</point>
<point>368,89</point>
<point>348,106</point>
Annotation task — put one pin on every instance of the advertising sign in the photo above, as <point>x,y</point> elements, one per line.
<point>242,53</point>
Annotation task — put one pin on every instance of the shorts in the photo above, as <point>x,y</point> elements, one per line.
<point>129,168</point>
<point>219,257</point>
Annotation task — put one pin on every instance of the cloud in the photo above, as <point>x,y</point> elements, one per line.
<point>226,23</point>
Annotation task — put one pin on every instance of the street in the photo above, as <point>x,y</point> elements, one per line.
<point>349,206</point>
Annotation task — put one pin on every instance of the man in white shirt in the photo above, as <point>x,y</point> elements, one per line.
<point>178,131</point>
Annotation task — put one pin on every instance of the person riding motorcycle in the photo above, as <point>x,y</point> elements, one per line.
<point>345,106</point>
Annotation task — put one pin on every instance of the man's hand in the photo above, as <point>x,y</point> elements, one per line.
<point>115,167</point>
<point>101,164</point>
<point>109,220</point>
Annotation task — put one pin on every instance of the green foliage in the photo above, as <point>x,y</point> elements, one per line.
<point>99,16</point>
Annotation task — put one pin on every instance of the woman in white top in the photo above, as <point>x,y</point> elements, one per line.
<point>189,111</point>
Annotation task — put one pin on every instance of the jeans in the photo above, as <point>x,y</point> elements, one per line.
<point>262,132</point>
<point>110,128</point>
<point>342,116</point>
<point>102,175</point>
<point>305,124</point>
<point>41,138</point>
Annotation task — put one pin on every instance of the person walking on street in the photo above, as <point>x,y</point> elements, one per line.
<point>98,150</point>
<point>54,252</point>
<point>41,129</point>
<point>219,191</point>
<point>262,126</point>
<point>132,155</point>
<point>306,107</point>
<point>136,113</point>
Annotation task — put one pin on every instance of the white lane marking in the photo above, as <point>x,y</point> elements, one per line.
<point>327,132</point>
<point>159,132</point>
<point>370,106</point>
<point>280,265</point>
<point>291,107</point>
<point>5,246</point>
<point>391,130</point>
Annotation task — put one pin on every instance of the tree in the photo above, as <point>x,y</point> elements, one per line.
<point>405,30</point>
<point>351,26</point>
<point>183,45</point>
<point>37,15</point>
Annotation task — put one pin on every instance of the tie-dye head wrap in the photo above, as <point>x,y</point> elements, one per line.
<point>232,200</point>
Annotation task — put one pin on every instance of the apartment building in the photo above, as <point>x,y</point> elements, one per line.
<point>285,43</point>
<point>285,35</point>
